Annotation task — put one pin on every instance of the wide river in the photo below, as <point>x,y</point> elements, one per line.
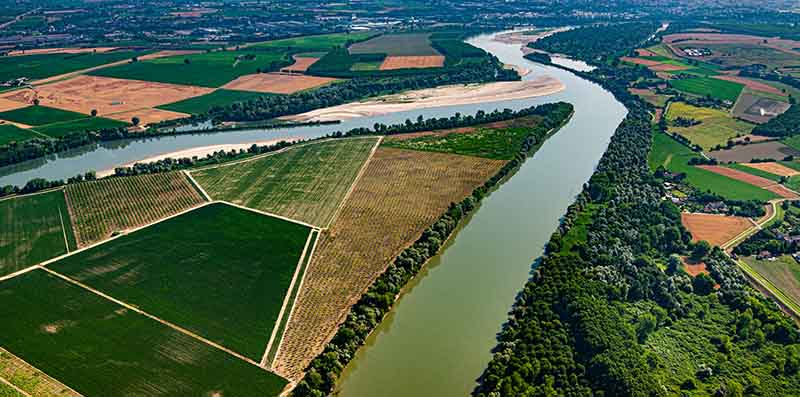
<point>438,338</point>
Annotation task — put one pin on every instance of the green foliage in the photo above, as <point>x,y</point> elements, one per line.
<point>704,86</point>
<point>583,43</point>
<point>90,124</point>
<point>55,322</point>
<point>11,133</point>
<point>241,266</point>
<point>46,65</point>
<point>40,115</point>
<point>216,99</point>
<point>784,125</point>
<point>323,42</point>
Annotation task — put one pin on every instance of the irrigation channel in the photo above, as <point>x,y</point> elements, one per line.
<point>439,336</point>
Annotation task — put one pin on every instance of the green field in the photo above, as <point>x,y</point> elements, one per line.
<point>792,141</point>
<point>491,143</point>
<point>32,231</point>
<point>46,65</point>
<point>11,133</point>
<point>203,103</point>
<point>212,69</point>
<point>703,86</point>
<point>405,44</point>
<point>306,183</point>
<point>716,126</point>
<point>102,349</point>
<point>64,128</point>
<point>675,157</point>
<point>321,43</point>
<point>783,273</point>
<point>219,271</point>
<point>40,115</point>
<point>366,66</point>
<point>755,171</point>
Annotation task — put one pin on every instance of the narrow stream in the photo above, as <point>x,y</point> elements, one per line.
<point>439,336</point>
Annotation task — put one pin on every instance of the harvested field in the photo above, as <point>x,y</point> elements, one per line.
<point>7,104</point>
<point>665,67</point>
<point>301,64</point>
<point>782,191</point>
<point>32,230</point>
<point>102,207</point>
<point>401,193</point>
<point>147,115</point>
<point>716,229</point>
<point>120,352</point>
<point>738,175</point>
<point>774,168</point>
<point>107,95</point>
<point>277,83</point>
<point>753,85</point>
<point>642,52</point>
<point>30,379</point>
<point>757,109</point>
<point>219,271</point>
<point>61,50</point>
<point>752,138</point>
<point>640,61</point>
<point>411,62</point>
<point>763,150</point>
<point>694,268</point>
<point>307,183</point>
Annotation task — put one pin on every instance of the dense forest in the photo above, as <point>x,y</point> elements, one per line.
<point>367,313</point>
<point>783,125</point>
<point>597,44</point>
<point>609,310</point>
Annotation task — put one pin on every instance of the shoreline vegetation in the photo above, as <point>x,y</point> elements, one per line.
<point>323,372</point>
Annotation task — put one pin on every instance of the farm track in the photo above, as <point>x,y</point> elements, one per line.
<point>399,195</point>
<point>37,382</point>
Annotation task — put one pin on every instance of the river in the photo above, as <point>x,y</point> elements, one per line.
<point>438,338</point>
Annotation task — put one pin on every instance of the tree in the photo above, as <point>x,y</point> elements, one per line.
<point>135,120</point>
<point>94,112</point>
<point>674,264</point>
<point>36,102</point>
<point>645,326</point>
<point>703,284</point>
<point>701,249</point>
<point>186,61</point>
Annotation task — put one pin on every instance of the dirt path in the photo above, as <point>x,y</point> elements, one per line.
<point>353,185</point>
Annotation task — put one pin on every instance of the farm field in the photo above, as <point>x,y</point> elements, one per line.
<point>716,229</point>
<point>497,141</point>
<point>650,96</point>
<point>757,171</point>
<point>412,62</point>
<point>301,63</point>
<point>751,178</point>
<point>762,150</point>
<point>702,86</point>
<point>774,168</point>
<point>56,321</point>
<point>406,44</point>
<point>758,108</point>
<point>307,183</point>
<point>40,115</point>
<point>203,103</point>
<point>674,157</point>
<point>57,130</point>
<point>716,126</point>
<point>783,273</point>
<point>29,379</point>
<point>277,83</point>
<point>35,228</point>
<point>212,69</point>
<point>102,207</point>
<point>11,133</point>
<point>323,42</point>
<point>399,195</point>
<point>39,66</point>
<point>147,116</point>
<point>744,54</point>
<point>220,271</point>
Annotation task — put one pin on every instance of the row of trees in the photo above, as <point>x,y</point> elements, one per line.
<point>367,313</point>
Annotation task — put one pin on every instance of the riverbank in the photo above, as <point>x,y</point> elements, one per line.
<point>436,97</point>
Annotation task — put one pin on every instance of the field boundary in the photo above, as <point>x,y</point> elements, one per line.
<point>17,196</point>
<point>355,181</point>
<point>43,374</point>
<point>288,295</point>
<point>13,386</point>
<point>63,231</point>
<point>267,214</point>
<point>197,186</point>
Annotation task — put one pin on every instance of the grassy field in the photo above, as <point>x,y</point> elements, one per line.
<point>792,141</point>
<point>318,43</point>
<point>715,128</point>
<point>11,133</point>
<point>204,103</point>
<point>491,143</point>
<point>399,195</point>
<point>306,183</point>
<point>675,157</point>
<point>207,69</point>
<point>783,273</point>
<point>406,44</point>
<point>219,271</point>
<point>702,86</point>
<point>46,65</point>
<point>64,128</point>
<point>100,208</point>
<point>90,343</point>
<point>40,115</point>
<point>32,230</point>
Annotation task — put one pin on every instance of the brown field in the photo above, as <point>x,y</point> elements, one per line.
<point>30,379</point>
<point>412,62</point>
<point>758,109</point>
<point>754,85</point>
<point>723,38</point>
<point>645,53</point>
<point>400,194</point>
<point>61,50</point>
<point>108,95</point>
<point>301,64</point>
<point>738,175</point>
<point>716,229</point>
<point>109,205</point>
<point>640,61</point>
<point>277,83</point>
<point>665,67</point>
<point>782,191</point>
<point>744,154</point>
<point>515,123</point>
<point>147,115</point>
<point>7,104</point>
<point>773,168</point>
<point>694,269</point>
